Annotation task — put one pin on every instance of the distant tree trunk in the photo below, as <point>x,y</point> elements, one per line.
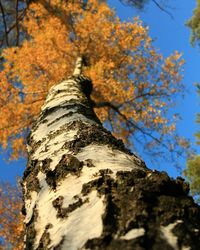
<point>84,190</point>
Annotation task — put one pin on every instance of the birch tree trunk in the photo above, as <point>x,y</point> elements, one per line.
<point>84,190</point>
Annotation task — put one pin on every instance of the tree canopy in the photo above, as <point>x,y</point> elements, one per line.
<point>193,174</point>
<point>192,170</point>
<point>194,25</point>
<point>134,86</point>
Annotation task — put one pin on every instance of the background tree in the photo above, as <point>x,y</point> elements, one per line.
<point>194,25</point>
<point>192,171</point>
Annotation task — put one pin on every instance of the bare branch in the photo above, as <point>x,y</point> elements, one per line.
<point>162,9</point>
<point>11,19</point>
<point>139,4</point>
<point>17,22</point>
<point>19,18</point>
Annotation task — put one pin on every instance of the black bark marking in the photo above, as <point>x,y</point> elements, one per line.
<point>89,163</point>
<point>81,108</point>
<point>94,134</point>
<point>64,212</point>
<point>45,239</point>
<point>67,165</point>
<point>31,173</point>
<point>30,231</point>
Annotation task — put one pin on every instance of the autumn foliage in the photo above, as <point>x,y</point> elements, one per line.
<point>194,24</point>
<point>11,219</point>
<point>133,84</point>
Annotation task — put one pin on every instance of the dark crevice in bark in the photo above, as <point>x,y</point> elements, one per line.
<point>45,239</point>
<point>101,184</point>
<point>30,231</point>
<point>67,165</point>
<point>64,212</point>
<point>94,134</point>
<point>86,84</point>
<point>145,200</point>
<point>31,173</point>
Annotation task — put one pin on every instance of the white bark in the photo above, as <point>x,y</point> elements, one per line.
<point>78,67</point>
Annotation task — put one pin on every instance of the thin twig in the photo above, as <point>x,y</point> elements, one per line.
<point>20,17</point>
<point>162,9</point>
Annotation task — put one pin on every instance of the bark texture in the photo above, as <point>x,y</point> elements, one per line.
<point>84,190</point>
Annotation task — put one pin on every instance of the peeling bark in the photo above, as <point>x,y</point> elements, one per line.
<point>84,190</point>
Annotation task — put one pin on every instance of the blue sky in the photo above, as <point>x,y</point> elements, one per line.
<point>169,35</point>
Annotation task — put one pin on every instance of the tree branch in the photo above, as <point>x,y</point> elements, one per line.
<point>19,18</point>
<point>139,4</point>
<point>131,123</point>
<point>17,23</point>
<point>4,22</point>
<point>162,9</point>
